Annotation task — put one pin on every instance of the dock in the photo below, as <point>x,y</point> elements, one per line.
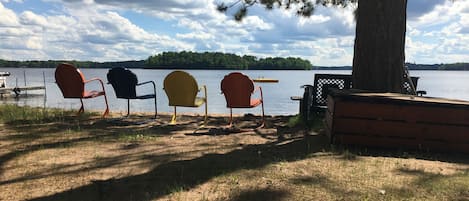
<point>17,90</point>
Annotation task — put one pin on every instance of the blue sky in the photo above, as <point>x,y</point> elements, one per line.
<point>116,30</point>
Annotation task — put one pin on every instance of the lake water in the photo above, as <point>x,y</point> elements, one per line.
<point>446,84</point>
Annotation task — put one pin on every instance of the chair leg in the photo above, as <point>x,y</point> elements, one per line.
<point>128,107</point>
<point>82,108</point>
<point>231,118</point>
<point>173,119</point>
<point>263,118</point>
<point>106,112</point>
<point>156,110</point>
<point>206,111</point>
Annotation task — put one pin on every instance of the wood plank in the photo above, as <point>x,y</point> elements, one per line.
<point>330,104</point>
<point>396,98</point>
<point>419,132</point>
<point>374,127</point>
<point>26,88</point>
<point>437,115</point>
<point>374,141</point>
<point>400,143</point>
<point>400,121</point>
<point>329,124</point>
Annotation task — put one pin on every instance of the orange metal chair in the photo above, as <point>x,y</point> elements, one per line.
<point>72,84</point>
<point>181,89</point>
<point>238,89</point>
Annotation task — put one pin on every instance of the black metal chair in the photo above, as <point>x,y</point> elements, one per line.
<point>125,84</point>
<point>314,98</point>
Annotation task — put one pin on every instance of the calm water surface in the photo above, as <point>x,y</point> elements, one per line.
<point>447,84</point>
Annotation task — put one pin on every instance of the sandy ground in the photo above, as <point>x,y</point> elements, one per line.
<point>43,159</point>
<point>141,158</point>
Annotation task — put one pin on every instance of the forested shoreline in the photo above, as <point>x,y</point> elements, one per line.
<point>213,60</point>
<point>182,60</point>
<point>217,60</point>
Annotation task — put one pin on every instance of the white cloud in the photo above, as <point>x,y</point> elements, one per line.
<point>190,24</point>
<point>440,35</point>
<point>95,30</point>
<point>81,33</point>
<point>29,18</point>
<point>104,30</point>
<point>8,18</point>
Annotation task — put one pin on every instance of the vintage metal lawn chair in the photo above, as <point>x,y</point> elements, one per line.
<point>125,82</point>
<point>181,89</point>
<point>72,84</point>
<point>238,89</point>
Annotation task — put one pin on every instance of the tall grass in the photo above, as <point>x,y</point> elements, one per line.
<point>14,114</point>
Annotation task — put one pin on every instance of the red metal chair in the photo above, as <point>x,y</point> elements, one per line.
<point>238,89</point>
<point>72,84</point>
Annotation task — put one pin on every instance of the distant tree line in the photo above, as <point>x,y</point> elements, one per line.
<point>454,66</point>
<point>213,60</point>
<point>182,60</point>
<point>79,64</point>
<point>410,66</point>
<point>217,60</point>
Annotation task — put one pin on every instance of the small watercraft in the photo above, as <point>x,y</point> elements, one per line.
<point>263,79</point>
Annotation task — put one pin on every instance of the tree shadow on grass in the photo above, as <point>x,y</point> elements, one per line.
<point>323,182</point>
<point>186,174</point>
<point>443,187</point>
<point>30,136</point>
<point>163,179</point>
<point>351,152</point>
<point>260,194</point>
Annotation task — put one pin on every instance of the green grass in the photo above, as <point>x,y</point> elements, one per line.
<point>294,121</point>
<point>14,114</point>
<point>135,136</point>
<point>315,124</point>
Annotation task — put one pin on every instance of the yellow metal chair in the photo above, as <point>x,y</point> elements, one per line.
<point>181,89</point>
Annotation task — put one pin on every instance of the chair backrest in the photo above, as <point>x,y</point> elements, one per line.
<point>324,82</point>
<point>70,80</point>
<point>237,89</point>
<point>181,88</point>
<point>123,82</point>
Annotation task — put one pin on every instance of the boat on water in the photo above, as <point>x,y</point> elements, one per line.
<point>263,79</point>
<point>3,79</point>
<point>5,89</point>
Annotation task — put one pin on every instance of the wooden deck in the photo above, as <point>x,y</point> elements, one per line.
<point>398,121</point>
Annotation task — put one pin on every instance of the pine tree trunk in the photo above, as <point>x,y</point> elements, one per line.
<point>378,62</point>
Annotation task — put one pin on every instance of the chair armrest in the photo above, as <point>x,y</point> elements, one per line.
<point>96,79</point>
<point>258,88</point>
<point>296,98</point>
<point>421,93</point>
<point>205,91</point>
<point>148,82</point>
<point>93,79</point>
